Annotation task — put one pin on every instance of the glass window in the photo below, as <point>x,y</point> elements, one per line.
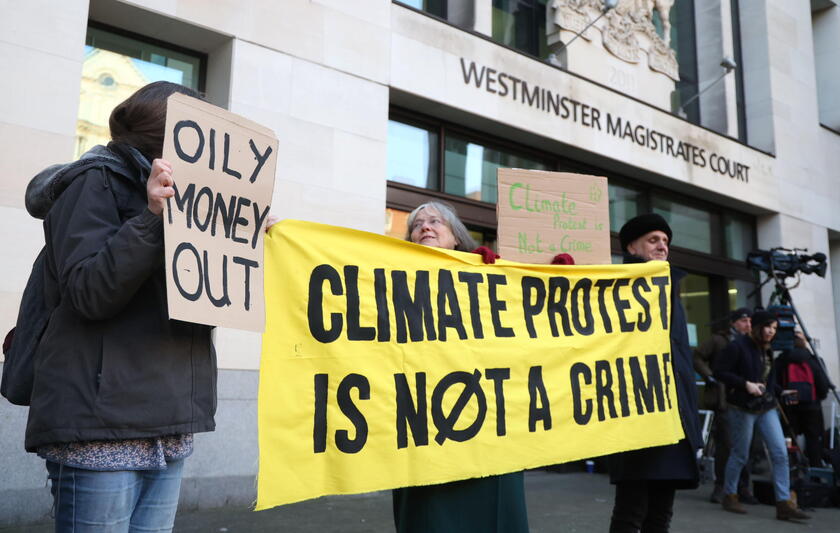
<point>435,7</point>
<point>691,226</point>
<point>471,168</point>
<point>624,205</point>
<point>694,292</point>
<point>521,24</point>
<point>684,43</point>
<point>739,236</point>
<point>114,67</point>
<point>741,294</point>
<point>396,223</point>
<point>412,155</point>
<point>739,72</point>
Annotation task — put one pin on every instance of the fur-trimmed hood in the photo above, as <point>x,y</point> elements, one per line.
<point>45,188</point>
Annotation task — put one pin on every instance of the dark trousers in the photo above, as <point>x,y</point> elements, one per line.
<point>808,420</point>
<point>642,507</point>
<point>723,443</point>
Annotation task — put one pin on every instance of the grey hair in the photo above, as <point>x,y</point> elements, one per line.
<point>463,239</point>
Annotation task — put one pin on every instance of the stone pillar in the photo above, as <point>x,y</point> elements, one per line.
<point>718,105</point>
<point>483,16</point>
<point>619,49</point>
<point>708,21</point>
<point>729,84</point>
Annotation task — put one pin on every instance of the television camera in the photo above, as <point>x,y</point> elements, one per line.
<point>786,262</point>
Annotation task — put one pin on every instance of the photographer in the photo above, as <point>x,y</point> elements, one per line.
<point>746,370</point>
<point>798,371</point>
<point>738,323</point>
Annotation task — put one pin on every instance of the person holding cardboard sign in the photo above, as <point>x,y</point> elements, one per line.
<point>646,480</point>
<point>119,389</point>
<point>493,503</point>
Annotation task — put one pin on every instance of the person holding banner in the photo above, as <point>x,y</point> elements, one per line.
<point>119,389</point>
<point>646,480</point>
<point>493,503</point>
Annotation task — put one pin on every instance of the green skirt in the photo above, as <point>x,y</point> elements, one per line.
<point>494,504</point>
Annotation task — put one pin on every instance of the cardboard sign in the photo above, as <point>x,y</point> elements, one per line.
<point>223,167</point>
<point>387,364</point>
<point>542,214</point>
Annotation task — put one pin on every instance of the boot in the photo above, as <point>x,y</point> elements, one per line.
<point>787,510</point>
<point>731,504</point>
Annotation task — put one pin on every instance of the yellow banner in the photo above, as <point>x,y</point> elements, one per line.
<point>387,364</point>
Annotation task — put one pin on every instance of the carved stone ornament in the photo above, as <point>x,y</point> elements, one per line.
<point>574,15</point>
<point>621,29</point>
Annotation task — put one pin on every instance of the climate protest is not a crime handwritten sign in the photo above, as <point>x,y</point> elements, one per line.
<point>543,213</point>
<point>389,364</point>
<point>223,167</point>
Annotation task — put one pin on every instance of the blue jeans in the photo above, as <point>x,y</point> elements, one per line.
<point>741,424</point>
<point>110,502</point>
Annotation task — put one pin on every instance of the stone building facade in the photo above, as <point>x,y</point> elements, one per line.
<point>379,105</point>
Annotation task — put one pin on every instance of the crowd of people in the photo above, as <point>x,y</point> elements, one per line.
<point>120,390</point>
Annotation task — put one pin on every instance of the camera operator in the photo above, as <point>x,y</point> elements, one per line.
<point>714,397</point>
<point>746,370</point>
<point>798,371</point>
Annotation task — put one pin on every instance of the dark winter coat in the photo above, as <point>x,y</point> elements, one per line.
<point>674,462</point>
<point>821,382</point>
<point>743,361</point>
<point>714,393</point>
<point>111,365</point>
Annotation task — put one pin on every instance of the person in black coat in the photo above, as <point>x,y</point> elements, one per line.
<point>752,391</point>
<point>119,388</point>
<point>646,480</point>
<point>798,370</point>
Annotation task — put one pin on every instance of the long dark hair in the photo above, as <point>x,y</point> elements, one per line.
<point>141,119</point>
<point>757,332</point>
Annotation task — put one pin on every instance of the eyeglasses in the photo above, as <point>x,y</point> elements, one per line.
<point>434,222</point>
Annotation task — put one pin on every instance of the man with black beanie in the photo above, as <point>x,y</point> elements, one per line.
<point>738,322</point>
<point>647,479</point>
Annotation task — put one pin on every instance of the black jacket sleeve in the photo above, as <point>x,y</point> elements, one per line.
<point>99,260</point>
<point>726,367</point>
<point>821,382</point>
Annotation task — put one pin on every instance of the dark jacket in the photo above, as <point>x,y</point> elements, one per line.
<point>111,365</point>
<point>743,361</point>
<point>821,382</point>
<point>714,393</point>
<point>674,462</point>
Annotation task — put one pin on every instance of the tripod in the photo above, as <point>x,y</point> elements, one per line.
<point>781,294</point>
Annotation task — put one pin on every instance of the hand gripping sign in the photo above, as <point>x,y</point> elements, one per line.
<point>223,167</point>
<point>411,365</point>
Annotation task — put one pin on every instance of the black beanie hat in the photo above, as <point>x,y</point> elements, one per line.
<point>641,225</point>
<point>761,318</point>
<point>739,313</point>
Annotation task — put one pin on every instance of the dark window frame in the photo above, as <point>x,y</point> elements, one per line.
<point>442,15</point>
<point>201,56</point>
<point>532,45</point>
<point>482,215</point>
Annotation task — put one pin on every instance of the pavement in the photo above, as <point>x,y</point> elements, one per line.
<point>557,502</point>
